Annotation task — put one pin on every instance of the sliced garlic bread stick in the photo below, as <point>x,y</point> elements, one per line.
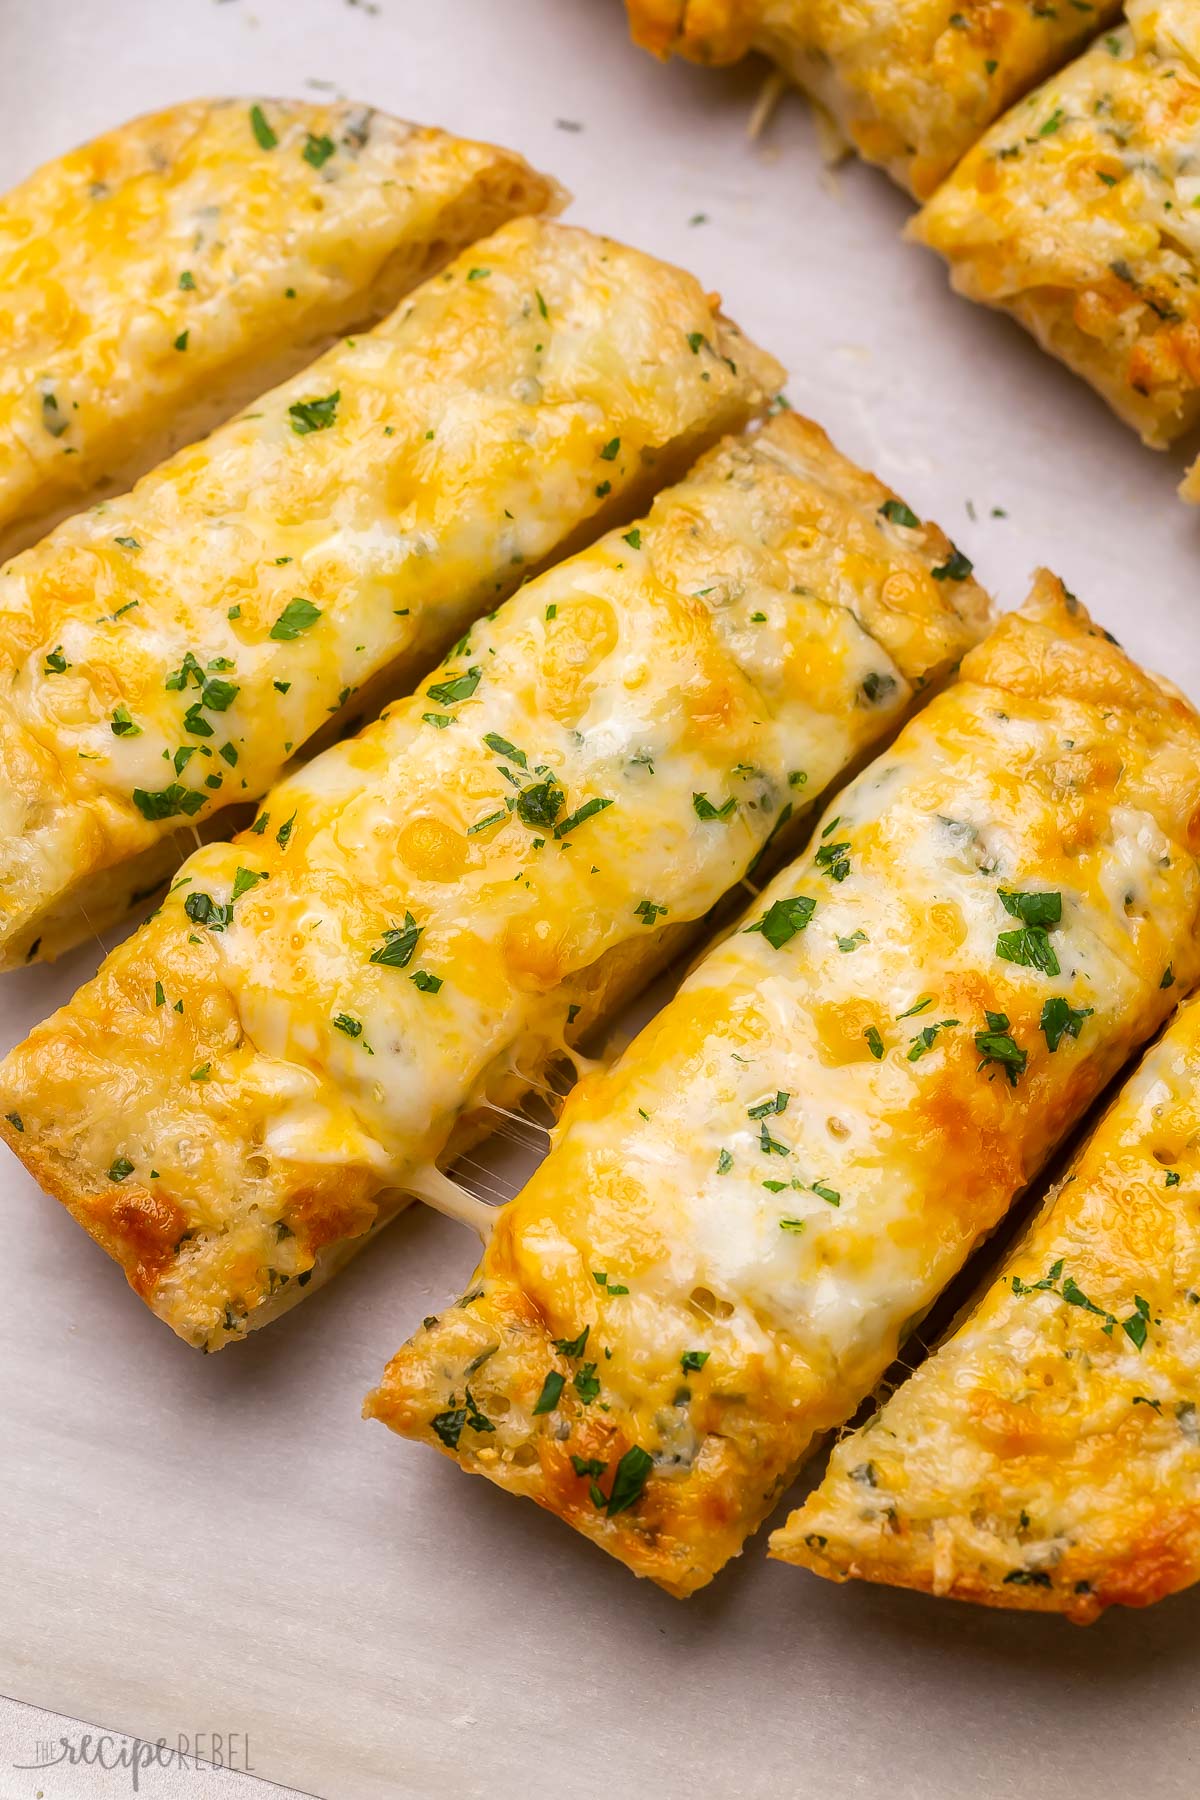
<point>156,278</point>
<point>420,920</point>
<point>163,655</point>
<point>738,1222</point>
<point>1077,214</point>
<point>1047,1457</point>
<point>911,83</point>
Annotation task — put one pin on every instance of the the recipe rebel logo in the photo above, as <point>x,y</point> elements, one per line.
<point>198,1753</point>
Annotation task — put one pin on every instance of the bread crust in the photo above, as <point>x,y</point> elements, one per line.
<point>1074,213</point>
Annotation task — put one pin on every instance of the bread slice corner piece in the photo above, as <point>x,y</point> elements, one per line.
<point>1047,1457</point>
<point>909,84</point>
<point>1039,220</point>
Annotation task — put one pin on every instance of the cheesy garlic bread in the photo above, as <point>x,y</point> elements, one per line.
<point>422,919</point>
<point>1077,213</point>
<point>164,654</point>
<point>1047,1456</point>
<point>737,1223</point>
<point>156,278</point>
<point>911,83</point>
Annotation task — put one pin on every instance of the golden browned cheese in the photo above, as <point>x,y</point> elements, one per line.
<point>421,919</point>
<point>1078,214</point>
<point>1047,1457</point>
<point>155,278</point>
<point>911,83</point>
<point>163,655</point>
<point>737,1224</point>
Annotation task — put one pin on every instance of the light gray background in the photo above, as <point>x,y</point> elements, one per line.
<point>193,1544</point>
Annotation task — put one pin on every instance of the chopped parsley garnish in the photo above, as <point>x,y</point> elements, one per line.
<point>1060,1019</point>
<point>478,274</point>
<point>449,1425</point>
<point>610,451</point>
<point>346,1023</point>
<point>572,1346</point>
<point>454,688</point>
<point>874,1042</point>
<point>439,721</point>
<point>724,1163</point>
<point>796,1225</point>
<point>492,818</point>
<point>878,687</point>
<point>1030,947</point>
<point>16,1121</point>
<point>924,1040</point>
<point>264,137</point>
<point>538,806</point>
<point>187,280</point>
<point>633,1470</point>
<point>833,860</point>
<point>784,918</point>
<point>587,811</point>
<point>848,944</point>
<point>996,1044</point>
<point>202,909</point>
<point>128,543</point>
<point>693,1360</point>
<point>768,1145</point>
<point>284,834</point>
<point>827,1193</point>
<point>399,943</point>
<point>314,415</point>
<point>918,1006</point>
<point>428,984</point>
<point>181,342</point>
<point>897,513</point>
<point>168,802</point>
<point>122,725</point>
<point>1032,909</point>
<point>296,617</point>
<point>765,1108</point>
<point>955,568</point>
<point>633,538</point>
<point>648,911</point>
<point>551,1393</point>
<point>56,663</point>
<point>1134,1327</point>
<point>318,150</point>
<point>118,1170</point>
<point>1173,1178</point>
<point>705,809</point>
<point>586,1383</point>
<point>502,747</point>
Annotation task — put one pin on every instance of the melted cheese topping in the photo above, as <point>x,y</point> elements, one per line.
<point>911,83</point>
<point>154,278</point>
<point>1048,1456</point>
<point>1077,213</point>
<point>419,920</point>
<point>164,654</point>
<point>740,1221</point>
